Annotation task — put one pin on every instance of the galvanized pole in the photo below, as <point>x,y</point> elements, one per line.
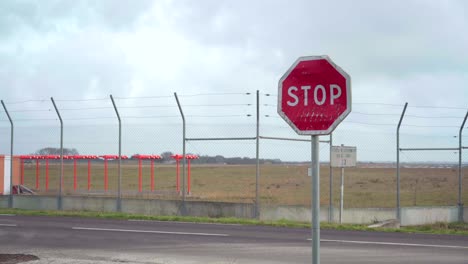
<point>10,197</point>
<point>398,163</point>
<point>460,172</point>
<point>257,168</point>
<point>183,151</point>
<point>315,200</point>
<point>59,199</point>
<point>341,185</point>
<point>119,184</point>
<point>330,206</point>
<point>341,195</point>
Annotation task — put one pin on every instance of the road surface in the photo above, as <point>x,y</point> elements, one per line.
<point>86,240</point>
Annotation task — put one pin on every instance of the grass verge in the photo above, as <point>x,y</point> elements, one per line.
<point>438,228</point>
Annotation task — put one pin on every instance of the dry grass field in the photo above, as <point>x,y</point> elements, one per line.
<point>279,184</point>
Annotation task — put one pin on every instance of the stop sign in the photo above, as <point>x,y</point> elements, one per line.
<point>314,95</point>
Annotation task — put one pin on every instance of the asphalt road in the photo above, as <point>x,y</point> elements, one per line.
<point>84,240</point>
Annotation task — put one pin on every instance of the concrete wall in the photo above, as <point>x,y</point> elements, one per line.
<point>304,214</point>
<point>465,214</point>
<point>85,203</point>
<point>365,215</point>
<point>134,206</point>
<point>216,209</point>
<point>151,207</point>
<point>428,215</point>
<point>33,202</point>
<point>3,201</point>
<point>410,215</point>
<point>294,213</point>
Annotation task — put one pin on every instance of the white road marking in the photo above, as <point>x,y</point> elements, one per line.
<point>8,225</point>
<point>147,231</point>
<point>390,243</point>
<point>181,222</point>
<point>7,215</point>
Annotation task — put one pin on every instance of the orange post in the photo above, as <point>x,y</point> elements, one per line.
<point>22,171</point>
<point>188,176</point>
<point>37,174</point>
<point>152,175</point>
<point>47,175</point>
<point>74,175</point>
<point>177,176</point>
<point>140,177</point>
<point>89,175</point>
<point>105,175</point>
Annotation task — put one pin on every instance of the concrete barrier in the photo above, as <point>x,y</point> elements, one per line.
<point>86,203</point>
<point>410,215</point>
<point>3,201</point>
<point>428,215</point>
<point>192,208</point>
<point>292,212</point>
<point>33,202</point>
<point>217,209</point>
<point>465,214</point>
<point>366,215</point>
<point>151,207</point>
<point>304,214</point>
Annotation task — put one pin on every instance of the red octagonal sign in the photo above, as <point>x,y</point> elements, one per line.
<point>314,95</point>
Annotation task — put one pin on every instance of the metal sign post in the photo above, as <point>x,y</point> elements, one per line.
<point>341,195</point>
<point>342,157</point>
<point>342,185</point>
<point>315,200</point>
<point>314,96</point>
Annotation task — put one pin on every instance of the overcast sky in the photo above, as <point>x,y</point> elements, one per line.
<point>213,52</point>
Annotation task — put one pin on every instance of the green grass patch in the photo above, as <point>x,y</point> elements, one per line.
<point>438,228</point>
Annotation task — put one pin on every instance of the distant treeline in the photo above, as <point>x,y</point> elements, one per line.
<point>218,159</point>
<point>56,151</point>
<point>166,157</point>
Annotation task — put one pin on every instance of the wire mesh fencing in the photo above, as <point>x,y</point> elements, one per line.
<point>218,131</point>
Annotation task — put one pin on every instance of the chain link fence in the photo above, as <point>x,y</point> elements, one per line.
<point>221,131</point>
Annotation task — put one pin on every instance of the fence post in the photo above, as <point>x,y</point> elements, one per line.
<point>10,197</point>
<point>460,173</point>
<point>119,185</point>
<point>398,163</point>
<point>184,160</point>
<point>257,158</point>
<point>59,200</point>
<point>330,206</point>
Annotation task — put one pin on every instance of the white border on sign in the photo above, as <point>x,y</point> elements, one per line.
<point>348,97</point>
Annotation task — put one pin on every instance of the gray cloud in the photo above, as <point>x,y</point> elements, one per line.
<point>393,38</point>
<point>69,67</point>
<point>395,51</point>
<point>55,15</point>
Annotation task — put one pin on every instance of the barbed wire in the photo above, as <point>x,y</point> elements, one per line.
<point>142,97</point>
<point>30,110</point>
<point>369,124</point>
<point>414,116</point>
<point>399,105</point>
<point>212,94</point>
<point>440,107</point>
<point>82,100</point>
<point>27,101</point>
<point>131,117</point>
<point>127,107</point>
